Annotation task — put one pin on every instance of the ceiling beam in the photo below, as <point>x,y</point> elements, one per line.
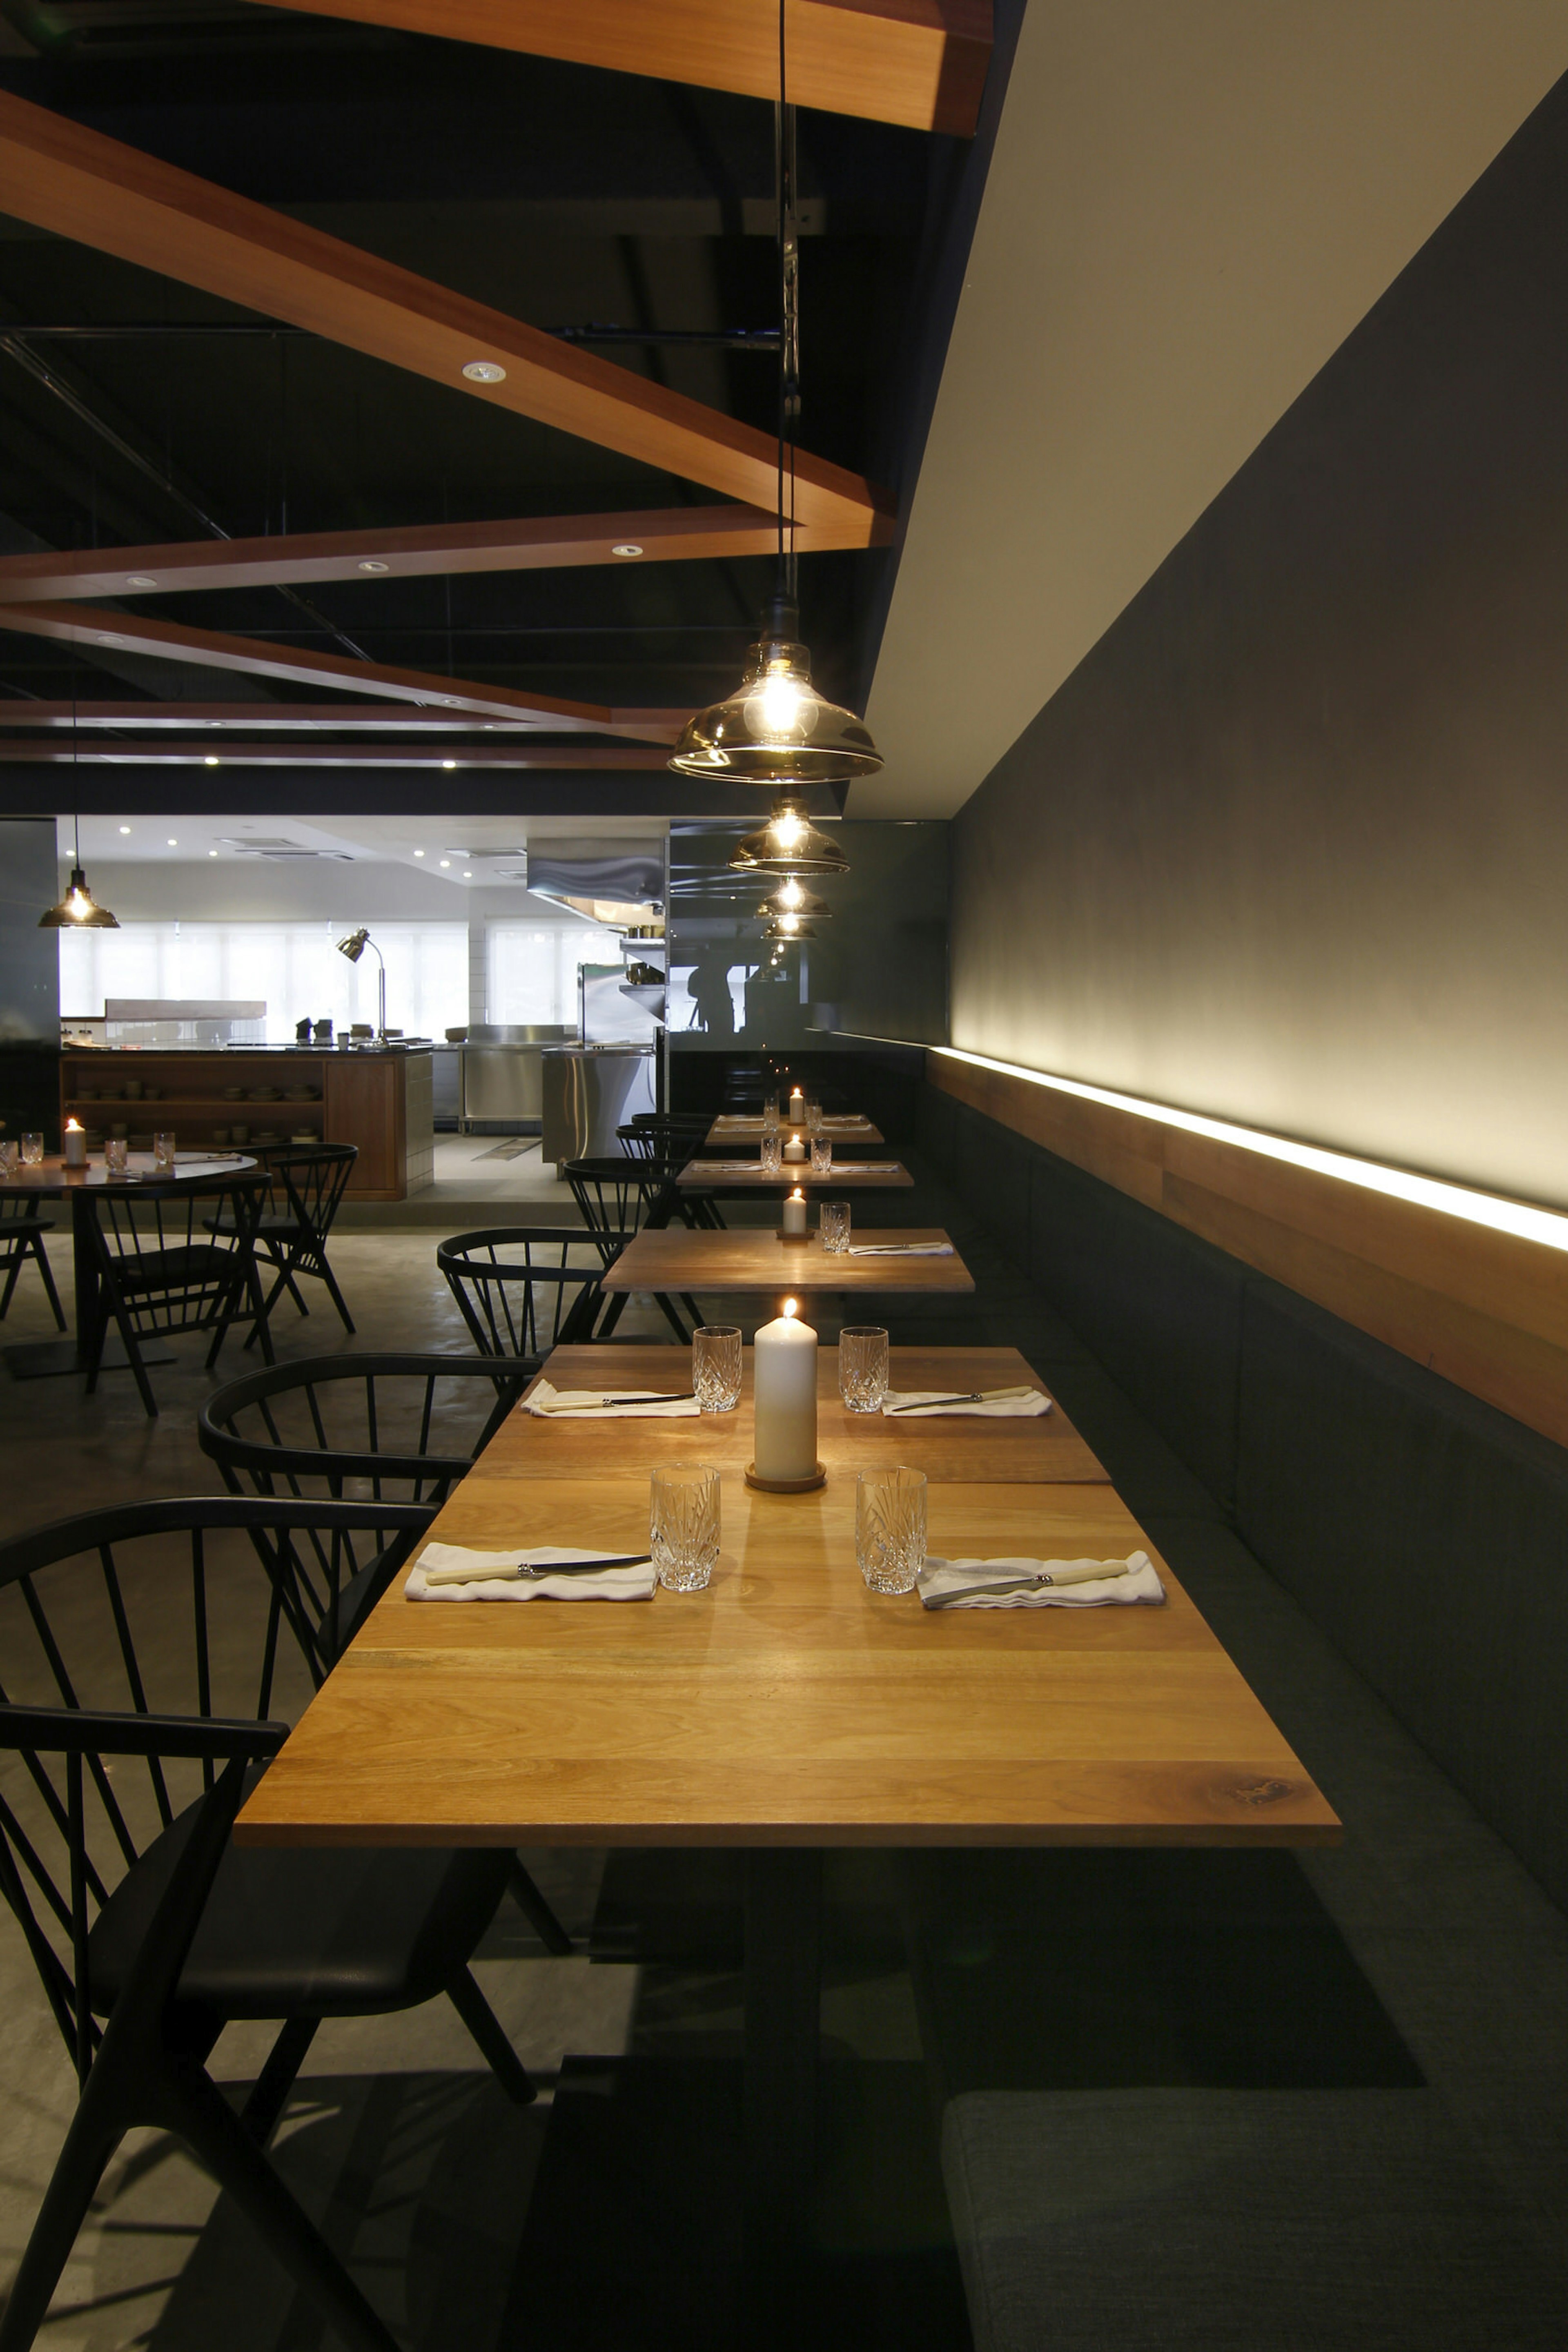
<point>675,534</point>
<point>84,625</point>
<point>597,757</point>
<point>80,184</point>
<point>921,63</point>
<point>313,718</point>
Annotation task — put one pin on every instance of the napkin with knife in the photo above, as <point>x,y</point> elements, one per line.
<point>901,1249</point>
<point>453,1572</point>
<point>1001,1404</point>
<point>1017,1583</point>
<point>608,1404</point>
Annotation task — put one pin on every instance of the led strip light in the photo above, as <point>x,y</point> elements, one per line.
<point>1516,1217</point>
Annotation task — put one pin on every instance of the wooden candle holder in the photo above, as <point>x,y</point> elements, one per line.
<point>786,1486</point>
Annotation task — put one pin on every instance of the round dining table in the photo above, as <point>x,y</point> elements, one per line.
<point>50,1179</point>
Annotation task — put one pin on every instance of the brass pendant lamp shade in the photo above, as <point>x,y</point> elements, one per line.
<point>789,927</point>
<point>792,904</point>
<point>788,844</point>
<point>78,910</point>
<point>776,728</point>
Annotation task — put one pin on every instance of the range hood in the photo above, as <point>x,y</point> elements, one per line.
<point>617,884</point>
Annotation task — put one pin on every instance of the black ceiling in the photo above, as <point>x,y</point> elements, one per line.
<point>565,197</point>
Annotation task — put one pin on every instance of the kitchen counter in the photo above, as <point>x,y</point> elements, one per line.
<point>377,1097</point>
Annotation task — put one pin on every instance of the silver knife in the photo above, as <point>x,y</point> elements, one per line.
<point>682,1396</point>
<point>1095,1575</point>
<point>533,1570</point>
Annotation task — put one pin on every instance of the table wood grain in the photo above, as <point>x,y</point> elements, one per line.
<point>531,1445</point>
<point>753,1259</point>
<point>736,1130</point>
<point>747,1176</point>
<point>785,1705</point>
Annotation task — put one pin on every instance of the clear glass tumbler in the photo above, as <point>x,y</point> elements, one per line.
<point>834,1223</point>
<point>773,1152</point>
<point>716,1367</point>
<point>771,1114</point>
<point>863,1367</point>
<point>890,1528</point>
<point>683,1525</point>
<point>814,1118</point>
<point>164,1152</point>
<point>32,1150</point>
<point>116,1153</point>
<point>10,1156</point>
<point>821,1156</point>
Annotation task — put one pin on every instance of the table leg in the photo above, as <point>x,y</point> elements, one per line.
<point>43,1359</point>
<point>783,2000</point>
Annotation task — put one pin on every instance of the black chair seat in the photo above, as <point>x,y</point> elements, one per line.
<point>175,1269</point>
<point>323,1932</point>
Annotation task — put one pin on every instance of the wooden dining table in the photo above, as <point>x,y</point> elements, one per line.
<point>51,1179</point>
<point>676,1258</point>
<point>743,1176</point>
<point>786,1709</point>
<point>736,1127</point>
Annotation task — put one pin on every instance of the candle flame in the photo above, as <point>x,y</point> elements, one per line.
<point>795,1194</point>
<point>790,1307</point>
<point>73,1126</point>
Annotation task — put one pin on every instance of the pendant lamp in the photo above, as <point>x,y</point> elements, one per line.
<point>789,927</point>
<point>776,728</point>
<point>788,844</point>
<point>78,910</point>
<point>792,902</point>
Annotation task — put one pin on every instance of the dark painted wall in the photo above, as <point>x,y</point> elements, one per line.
<point>1291,846</point>
<point>29,978</point>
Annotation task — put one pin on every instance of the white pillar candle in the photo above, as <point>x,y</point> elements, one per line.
<point>796,1103</point>
<point>794,1216</point>
<point>76,1144</point>
<point>785,1391</point>
<point>794,1149</point>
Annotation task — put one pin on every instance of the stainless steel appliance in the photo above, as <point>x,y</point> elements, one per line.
<point>589,1092</point>
<point>503,1075</point>
<point>608,1016</point>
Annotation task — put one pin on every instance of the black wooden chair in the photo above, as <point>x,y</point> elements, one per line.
<point>524,1289</point>
<point>150,1930</point>
<point>665,1146</point>
<point>618,1198</point>
<point>306,1183</point>
<point>172,1258</point>
<point>22,1231</point>
<point>368,1428</point>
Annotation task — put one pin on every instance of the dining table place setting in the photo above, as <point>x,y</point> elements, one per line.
<point>446,1571</point>
<point>543,1400</point>
<point>1019,1582</point>
<point>676,1258</point>
<point>1019,1401</point>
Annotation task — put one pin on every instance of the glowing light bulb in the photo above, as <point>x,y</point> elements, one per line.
<point>788,827</point>
<point>781,709</point>
<point>790,893</point>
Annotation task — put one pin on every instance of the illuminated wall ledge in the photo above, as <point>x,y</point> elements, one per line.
<point>1473,1286</point>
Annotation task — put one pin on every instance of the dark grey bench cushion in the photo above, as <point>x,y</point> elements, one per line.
<point>1149,2221</point>
<point>1428,1535</point>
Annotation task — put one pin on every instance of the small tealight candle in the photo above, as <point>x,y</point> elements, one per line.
<point>785,1387</point>
<point>76,1144</point>
<point>794,1149</point>
<point>793,1225</point>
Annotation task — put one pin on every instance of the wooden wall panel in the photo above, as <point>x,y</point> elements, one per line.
<point>1488,1311</point>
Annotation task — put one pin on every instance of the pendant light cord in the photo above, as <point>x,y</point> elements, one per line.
<point>789,315</point>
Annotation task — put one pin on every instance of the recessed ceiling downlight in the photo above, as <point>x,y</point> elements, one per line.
<point>370,564</point>
<point>625,547</point>
<point>140,580</point>
<point>484,372</point>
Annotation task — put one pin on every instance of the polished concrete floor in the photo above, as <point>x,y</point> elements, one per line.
<point>395,2138</point>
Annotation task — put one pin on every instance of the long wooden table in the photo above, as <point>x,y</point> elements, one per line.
<point>750,1258</point>
<point>956,1446</point>
<point>785,1709</point>
<point>736,1130</point>
<point>740,1176</point>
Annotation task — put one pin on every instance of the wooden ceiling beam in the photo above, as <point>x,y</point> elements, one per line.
<point>80,184</point>
<point>84,625</point>
<point>302,718</point>
<point>162,753</point>
<point>675,534</point>
<point>921,63</point>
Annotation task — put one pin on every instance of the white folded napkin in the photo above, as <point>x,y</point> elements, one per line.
<point>940,1579</point>
<point>717,1167</point>
<point>901,1249</point>
<point>615,1584</point>
<point>563,1403</point>
<point>1000,1404</point>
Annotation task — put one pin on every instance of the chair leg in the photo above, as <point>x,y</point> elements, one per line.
<point>19,1253</point>
<point>94,2135</point>
<point>334,1293</point>
<point>41,1253</point>
<point>672,1318</point>
<point>196,2109</point>
<point>485,2026</point>
<point>536,1910</point>
<point>271,2087</point>
<point>618,1308</point>
<point>133,1356</point>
